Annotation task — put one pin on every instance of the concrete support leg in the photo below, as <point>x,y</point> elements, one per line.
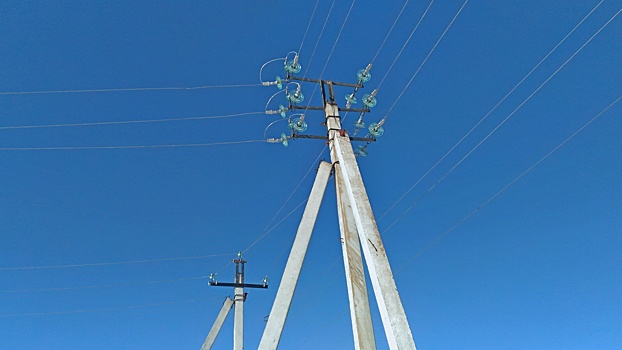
<point>360,313</point>
<point>280,308</point>
<point>213,332</point>
<point>394,321</point>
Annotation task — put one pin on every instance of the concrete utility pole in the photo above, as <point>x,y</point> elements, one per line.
<point>357,226</point>
<point>238,303</point>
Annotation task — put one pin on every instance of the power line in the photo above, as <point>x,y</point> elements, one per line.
<point>508,117</point>
<point>42,92</point>
<point>390,30</point>
<point>426,58</point>
<point>405,43</point>
<point>498,193</point>
<point>330,54</point>
<point>64,266</point>
<point>317,42</point>
<point>101,285</point>
<point>308,26</point>
<point>491,111</point>
<point>265,232</point>
<point>129,121</point>
<point>100,310</point>
<point>129,147</point>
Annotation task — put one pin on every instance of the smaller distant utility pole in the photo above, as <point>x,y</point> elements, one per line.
<point>238,303</point>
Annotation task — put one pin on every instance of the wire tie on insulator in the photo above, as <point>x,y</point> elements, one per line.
<point>359,123</point>
<point>295,59</point>
<point>363,75</point>
<point>376,129</point>
<point>293,66</point>
<point>362,151</point>
<point>278,82</point>
<point>350,100</point>
<point>296,96</point>
<point>369,100</point>
<point>283,140</point>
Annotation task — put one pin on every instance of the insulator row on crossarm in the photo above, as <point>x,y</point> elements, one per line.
<point>363,75</point>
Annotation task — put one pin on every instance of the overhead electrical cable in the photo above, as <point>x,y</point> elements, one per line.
<point>426,59</point>
<point>405,43</point>
<point>64,266</point>
<point>308,26</point>
<point>403,46</point>
<point>492,110</point>
<point>42,92</point>
<point>136,121</point>
<point>390,31</point>
<point>317,42</point>
<point>80,148</point>
<point>268,229</point>
<point>508,117</point>
<point>498,193</point>
<point>100,309</point>
<point>101,285</point>
<point>330,54</point>
<point>264,234</point>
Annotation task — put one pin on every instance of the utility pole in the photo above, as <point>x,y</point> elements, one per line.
<point>358,227</point>
<point>238,303</point>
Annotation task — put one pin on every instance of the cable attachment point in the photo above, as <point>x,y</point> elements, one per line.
<point>295,96</point>
<point>350,100</point>
<point>278,82</point>
<point>359,123</point>
<point>376,129</point>
<point>284,140</point>
<point>361,151</point>
<point>363,75</point>
<point>293,66</point>
<point>282,111</point>
<point>369,100</point>
<point>298,124</point>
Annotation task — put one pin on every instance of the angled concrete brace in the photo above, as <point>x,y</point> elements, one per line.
<point>213,333</point>
<point>274,328</point>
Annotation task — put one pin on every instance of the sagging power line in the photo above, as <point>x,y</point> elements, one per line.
<point>45,92</point>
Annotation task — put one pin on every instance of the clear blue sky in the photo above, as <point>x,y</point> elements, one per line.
<point>537,267</point>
